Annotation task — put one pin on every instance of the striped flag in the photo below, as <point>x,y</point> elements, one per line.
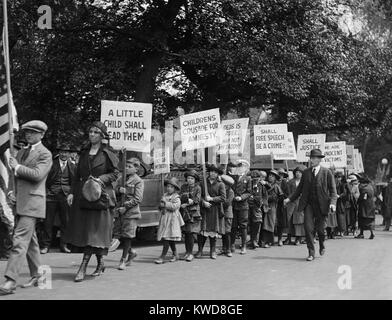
<point>5,173</point>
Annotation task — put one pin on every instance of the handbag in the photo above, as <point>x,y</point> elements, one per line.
<point>94,196</point>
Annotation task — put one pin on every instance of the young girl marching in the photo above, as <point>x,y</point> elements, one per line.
<point>170,223</point>
<point>190,210</point>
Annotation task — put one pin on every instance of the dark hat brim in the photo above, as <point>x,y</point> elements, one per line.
<point>214,168</point>
<point>275,173</point>
<point>192,174</point>
<point>33,129</point>
<point>169,182</point>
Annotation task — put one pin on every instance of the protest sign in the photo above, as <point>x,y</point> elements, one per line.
<point>161,160</point>
<point>308,142</point>
<point>335,155</point>
<point>200,129</point>
<point>290,153</point>
<point>356,161</point>
<point>128,123</point>
<point>350,157</point>
<point>270,139</point>
<point>233,136</point>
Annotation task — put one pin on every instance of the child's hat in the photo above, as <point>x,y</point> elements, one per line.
<point>172,181</point>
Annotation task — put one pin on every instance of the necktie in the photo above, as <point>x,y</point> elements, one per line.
<point>26,154</point>
<point>63,164</point>
<point>314,172</point>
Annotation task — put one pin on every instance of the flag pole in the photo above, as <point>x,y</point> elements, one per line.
<point>8,77</point>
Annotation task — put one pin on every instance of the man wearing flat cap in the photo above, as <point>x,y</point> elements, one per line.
<point>58,185</point>
<point>31,167</point>
<point>242,189</point>
<point>317,190</point>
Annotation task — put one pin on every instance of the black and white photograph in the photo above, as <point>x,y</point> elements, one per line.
<point>195,155</point>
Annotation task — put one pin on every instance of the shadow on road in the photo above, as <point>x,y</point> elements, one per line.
<point>279,258</point>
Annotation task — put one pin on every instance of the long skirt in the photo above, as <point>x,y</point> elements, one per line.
<point>366,223</point>
<point>89,231</point>
<point>269,220</point>
<point>342,221</point>
<point>299,230</point>
<point>192,227</point>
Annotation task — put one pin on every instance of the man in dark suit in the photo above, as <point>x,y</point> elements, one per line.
<point>318,195</point>
<point>31,167</point>
<point>58,186</point>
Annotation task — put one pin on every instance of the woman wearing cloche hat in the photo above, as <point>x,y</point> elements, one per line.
<point>90,223</point>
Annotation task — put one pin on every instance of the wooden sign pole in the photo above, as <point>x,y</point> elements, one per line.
<point>203,163</point>
<point>124,175</point>
<point>287,166</point>
<point>272,161</point>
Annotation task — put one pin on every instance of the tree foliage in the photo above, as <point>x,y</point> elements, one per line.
<point>289,57</point>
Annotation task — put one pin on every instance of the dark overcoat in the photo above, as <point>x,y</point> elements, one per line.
<point>92,227</point>
<point>325,188</point>
<point>212,217</point>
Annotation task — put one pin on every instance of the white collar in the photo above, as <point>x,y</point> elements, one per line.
<point>317,169</point>
<point>33,146</point>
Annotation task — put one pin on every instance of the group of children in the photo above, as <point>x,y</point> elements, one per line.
<point>221,206</point>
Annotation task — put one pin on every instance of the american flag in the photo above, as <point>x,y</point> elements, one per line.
<point>5,174</point>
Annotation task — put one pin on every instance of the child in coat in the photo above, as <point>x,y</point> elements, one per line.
<point>171,221</point>
<point>129,212</point>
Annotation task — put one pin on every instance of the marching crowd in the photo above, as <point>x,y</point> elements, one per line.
<point>97,206</point>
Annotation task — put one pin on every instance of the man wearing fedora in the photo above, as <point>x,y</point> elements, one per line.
<point>58,186</point>
<point>31,168</point>
<point>317,190</point>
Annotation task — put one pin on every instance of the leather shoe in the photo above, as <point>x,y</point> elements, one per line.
<point>310,258</point>
<point>44,250</point>
<point>322,251</point>
<point>34,281</point>
<point>64,249</point>
<point>8,287</point>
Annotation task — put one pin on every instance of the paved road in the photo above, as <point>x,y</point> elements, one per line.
<point>275,273</point>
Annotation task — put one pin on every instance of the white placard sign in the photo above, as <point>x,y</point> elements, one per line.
<point>356,161</point>
<point>290,153</point>
<point>308,142</point>
<point>233,136</point>
<point>350,156</point>
<point>128,123</point>
<point>335,155</point>
<point>200,129</point>
<point>270,139</point>
<point>161,161</point>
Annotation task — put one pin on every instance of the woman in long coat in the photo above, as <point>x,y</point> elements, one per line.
<point>270,216</point>
<point>212,211</point>
<point>341,205</point>
<point>190,210</point>
<point>366,208</point>
<point>90,230</point>
<point>352,217</point>
<point>296,217</point>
